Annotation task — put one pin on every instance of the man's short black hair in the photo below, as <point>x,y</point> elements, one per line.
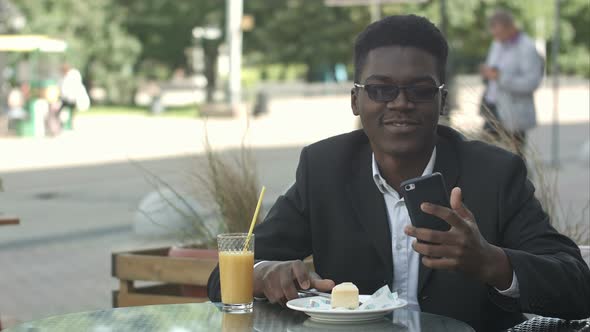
<point>402,30</point>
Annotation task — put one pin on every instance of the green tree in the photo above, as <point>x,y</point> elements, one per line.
<point>575,46</point>
<point>111,41</point>
<point>299,31</point>
<point>164,28</point>
<point>469,38</point>
<point>98,44</point>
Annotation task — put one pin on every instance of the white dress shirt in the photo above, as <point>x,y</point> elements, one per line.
<point>406,261</point>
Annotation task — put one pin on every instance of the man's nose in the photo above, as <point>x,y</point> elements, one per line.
<point>401,102</point>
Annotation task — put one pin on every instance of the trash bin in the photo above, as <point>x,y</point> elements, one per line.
<point>157,107</point>
<point>66,117</point>
<point>36,110</point>
<point>33,124</point>
<point>261,104</point>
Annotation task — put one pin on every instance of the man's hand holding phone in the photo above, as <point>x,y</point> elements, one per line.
<point>462,247</point>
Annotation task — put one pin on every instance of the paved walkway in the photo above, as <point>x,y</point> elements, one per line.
<point>76,194</point>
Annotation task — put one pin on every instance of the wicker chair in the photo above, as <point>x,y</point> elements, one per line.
<point>547,324</point>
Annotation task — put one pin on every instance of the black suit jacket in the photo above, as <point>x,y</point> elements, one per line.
<point>336,212</point>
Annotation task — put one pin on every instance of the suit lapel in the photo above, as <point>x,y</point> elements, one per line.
<point>369,206</point>
<point>447,164</point>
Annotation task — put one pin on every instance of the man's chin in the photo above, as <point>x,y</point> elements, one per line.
<point>401,149</point>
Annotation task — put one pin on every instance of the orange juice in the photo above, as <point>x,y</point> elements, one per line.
<point>236,269</point>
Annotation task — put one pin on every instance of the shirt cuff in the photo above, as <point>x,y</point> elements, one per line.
<point>512,291</point>
<point>258,263</point>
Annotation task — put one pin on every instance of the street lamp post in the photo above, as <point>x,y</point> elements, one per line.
<point>555,74</point>
<point>375,8</point>
<point>234,41</point>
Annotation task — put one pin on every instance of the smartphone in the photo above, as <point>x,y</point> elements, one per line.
<point>430,189</point>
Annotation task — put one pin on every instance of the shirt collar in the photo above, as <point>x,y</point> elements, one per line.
<point>384,187</point>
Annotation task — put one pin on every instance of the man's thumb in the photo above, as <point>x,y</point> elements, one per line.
<point>322,285</point>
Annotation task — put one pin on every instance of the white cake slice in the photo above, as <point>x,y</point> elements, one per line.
<point>345,295</point>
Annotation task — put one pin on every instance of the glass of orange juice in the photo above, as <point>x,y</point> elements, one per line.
<point>236,270</point>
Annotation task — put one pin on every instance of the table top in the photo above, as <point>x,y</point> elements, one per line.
<point>209,317</point>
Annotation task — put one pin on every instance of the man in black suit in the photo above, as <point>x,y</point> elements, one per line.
<point>501,256</point>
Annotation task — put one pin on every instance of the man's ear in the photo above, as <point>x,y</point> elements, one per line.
<point>353,100</point>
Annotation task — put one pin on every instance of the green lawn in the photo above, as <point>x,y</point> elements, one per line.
<point>180,112</point>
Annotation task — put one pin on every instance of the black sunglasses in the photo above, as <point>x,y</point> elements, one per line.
<point>388,92</point>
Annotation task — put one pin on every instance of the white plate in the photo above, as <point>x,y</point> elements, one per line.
<point>342,315</point>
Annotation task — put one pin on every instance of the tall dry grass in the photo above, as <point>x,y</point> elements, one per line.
<point>232,183</point>
<point>545,179</point>
<point>195,231</point>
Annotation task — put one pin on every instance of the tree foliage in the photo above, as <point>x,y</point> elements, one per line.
<point>164,27</point>
<point>300,31</point>
<point>114,42</point>
<point>469,38</point>
<point>98,43</point>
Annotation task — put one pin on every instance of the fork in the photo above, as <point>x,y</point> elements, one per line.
<point>315,292</point>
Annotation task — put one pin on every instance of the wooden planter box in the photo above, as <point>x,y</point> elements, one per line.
<point>168,273</point>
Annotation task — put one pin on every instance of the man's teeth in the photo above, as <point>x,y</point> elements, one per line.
<point>398,124</point>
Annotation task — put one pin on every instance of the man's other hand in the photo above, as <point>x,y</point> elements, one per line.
<point>279,281</point>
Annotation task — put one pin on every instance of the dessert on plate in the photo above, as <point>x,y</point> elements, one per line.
<point>345,295</point>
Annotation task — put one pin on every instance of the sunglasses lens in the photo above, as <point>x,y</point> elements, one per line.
<point>421,93</point>
<point>382,93</point>
<point>389,92</point>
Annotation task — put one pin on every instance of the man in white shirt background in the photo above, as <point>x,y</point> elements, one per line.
<point>513,71</point>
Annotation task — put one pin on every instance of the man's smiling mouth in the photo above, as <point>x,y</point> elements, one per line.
<point>400,122</point>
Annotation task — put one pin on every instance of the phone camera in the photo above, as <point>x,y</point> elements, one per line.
<point>409,187</point>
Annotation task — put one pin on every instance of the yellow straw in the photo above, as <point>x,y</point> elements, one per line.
<point>254,218</point>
